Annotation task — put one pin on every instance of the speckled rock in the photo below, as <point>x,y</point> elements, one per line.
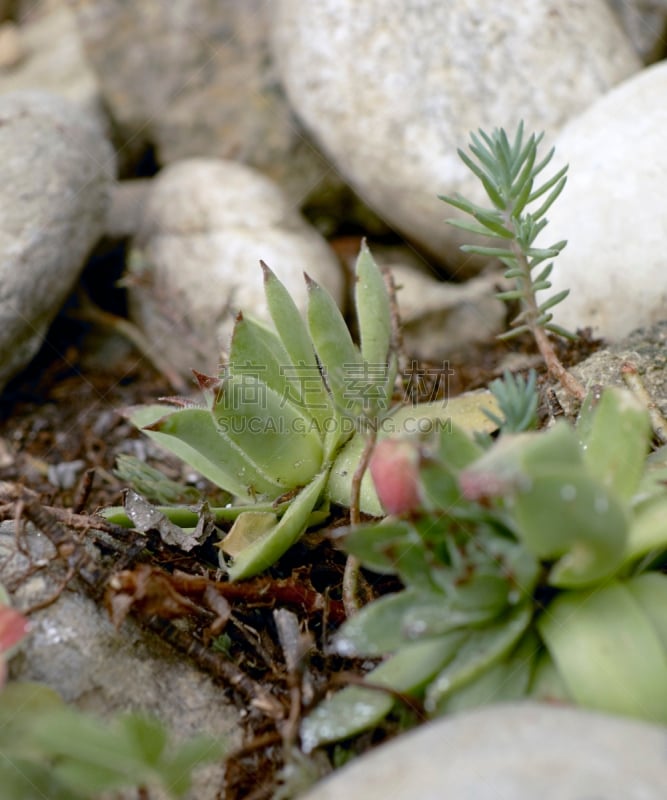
<point>517,752</point>
<point>73,648</point>
<point>390,89</point>
<point>195,261</point>
<point>55,173</point>
<point>197,78</point>
<point>613,210</point>
<point>645,349</point>
<point>51,58</point>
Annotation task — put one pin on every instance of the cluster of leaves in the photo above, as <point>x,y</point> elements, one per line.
<point>524,568</point>
<point>287,422</point>
<point>50,750</point>
<point>524,559</point>
<point>508,172</point>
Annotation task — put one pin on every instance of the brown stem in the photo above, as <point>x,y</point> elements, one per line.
<point>352,565</point>
<point>632,380</point>
<point>531,314</point>
<point>554,365</point>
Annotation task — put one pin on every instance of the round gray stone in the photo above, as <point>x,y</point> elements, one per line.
<point>206,225</point>
<point>55,178</point>
<point>391,88</point>
<point>512,752</point>
<point>612,211</point>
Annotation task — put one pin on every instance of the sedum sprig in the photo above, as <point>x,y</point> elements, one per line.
<point>517,400</point>
<point>508,172</point>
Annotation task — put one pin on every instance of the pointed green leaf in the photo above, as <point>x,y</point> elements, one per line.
<point>373,312</point>
<point>517,154</point>
<point>523,183</point>
<point>484,155</point>
<point>489,221</point>
<point>650,591</point>
<point>374,316</point>
<point>497,252</point>
<point>554,300</point>
<point>503,337</point>
<point>415,664</point>
<point>483,648</point>
<point>176,770</point>
<point>473,227</point>
<point>339,358</point>
<point>589,532</point>
<point>508,680</point>
<point>344,714</point>
<point>552,181</point>
<point>191,434</point>
<point>256,348</point>
<point>512,294</point>
<point>607,652</point>
<point>378,545</point>
<point>269,432</point>
<point>559,331</point>
<point>392,621</point>
<point>268,548</point>
<point>551,199</point>
<point>147,735</point>
<point>296,340</point>
<point>617,443</point>
<point>486,181</point>
<point>648,528</point>
<point>356,709</point>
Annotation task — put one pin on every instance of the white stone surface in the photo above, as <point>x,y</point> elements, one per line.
<point>439,317</point>
<point>511,752</point>
<point>52,59</point>
<point>206,226</point>
<point>613,210</point>
<point>196,78</point>
<point>391,88</point>
<point>55,175</point>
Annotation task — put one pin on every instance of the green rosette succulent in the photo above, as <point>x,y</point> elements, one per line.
<point>284,425</point>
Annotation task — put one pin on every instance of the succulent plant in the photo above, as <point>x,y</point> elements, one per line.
<point>286,423</point>
<point>508,171</point>
<point>523,574</point>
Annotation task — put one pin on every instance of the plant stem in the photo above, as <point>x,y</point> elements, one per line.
<point>632,380</point>
<point>352,566</point>
<point>532,313</point>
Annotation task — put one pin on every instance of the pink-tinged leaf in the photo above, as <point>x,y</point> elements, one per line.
<point>394,467</point>
<point>481,486</point>
<point>13,627</point>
